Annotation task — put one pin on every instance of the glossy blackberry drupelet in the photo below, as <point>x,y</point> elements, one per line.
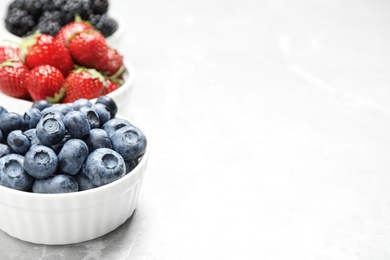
<point>103,23</point>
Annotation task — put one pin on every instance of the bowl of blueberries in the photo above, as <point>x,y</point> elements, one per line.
<point>68,172</point>
<point>24,17</point>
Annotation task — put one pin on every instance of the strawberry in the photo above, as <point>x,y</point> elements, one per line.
<point>89,49</point>
<point>8,52</point>
<point>43,49</point>
<point>111,86</point>
<point>83,83</point>
<point>45,83</point>
<point>68,30</point>
<point>114,63</point>
<point>13,75</point>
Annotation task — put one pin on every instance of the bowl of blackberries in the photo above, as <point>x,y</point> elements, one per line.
<point>24,17</point>
<point>69,172</point>
<point>76,63</point>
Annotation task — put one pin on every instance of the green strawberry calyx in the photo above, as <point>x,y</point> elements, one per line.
<point>93,72</point>
<point>27,42</point>
<point>57,96</point>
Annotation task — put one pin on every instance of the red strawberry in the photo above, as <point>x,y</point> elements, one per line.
<point>8,52</point>
<point>13,75</point>
<point>111,86</point>
<point>44,49</point>
<point>67,32</point>
<point>89,49</point>
<point>83,83</point>
<point>45,82</point>
<point>114,63</point>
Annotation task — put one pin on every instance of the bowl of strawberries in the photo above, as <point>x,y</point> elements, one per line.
<point>75,63</point>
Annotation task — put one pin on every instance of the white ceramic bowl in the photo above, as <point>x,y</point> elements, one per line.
<point>58,219</point>
<point>121,96</point>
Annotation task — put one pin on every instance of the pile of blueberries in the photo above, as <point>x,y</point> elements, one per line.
<point>24,17</point>
<point>67,147</point>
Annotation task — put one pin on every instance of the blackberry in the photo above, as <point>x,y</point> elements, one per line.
<point>103,23</point>
<point>19,22</point>
<point>80,7</point>
<point>99,6</point>
<point>34,8</point>
<point>50,5</point>
<point>51,27</point>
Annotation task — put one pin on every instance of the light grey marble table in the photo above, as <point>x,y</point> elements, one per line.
<point>269,129</point>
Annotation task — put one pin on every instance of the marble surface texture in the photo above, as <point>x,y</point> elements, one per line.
<point>269,129</point>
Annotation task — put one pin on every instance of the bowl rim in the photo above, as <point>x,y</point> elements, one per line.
<point>78,194</point>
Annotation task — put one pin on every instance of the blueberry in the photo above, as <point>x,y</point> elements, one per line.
<point>41,162</point>
<point>130,165</point>
<point>110,103</point>
<point>98,138</point>
<point>32,135</point>
<point>55,114</point>
<point>104,166</point>
<point>19,142</point>
<point>11,121</point>
<point>129,142</point>
<point>72,156</point>
<point>62,108</point>
<point>76,124</point>
<point>84,182</point>
<point>1,135</point>
<point>41,104</point>
<point>91,115</point>
<point>3,110</point>
<point>81,102</point>
<point>12,173</point>
<point>4,150</point>
<point>103,112</point>
<point>112,125</point>
<point>32,117</point>
<point>60,183</point>
<point>50,131</point>
<point>57,147</point>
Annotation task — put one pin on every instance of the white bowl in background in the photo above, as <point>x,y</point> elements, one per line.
<point>121,96</point>
<point>67,218</point>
